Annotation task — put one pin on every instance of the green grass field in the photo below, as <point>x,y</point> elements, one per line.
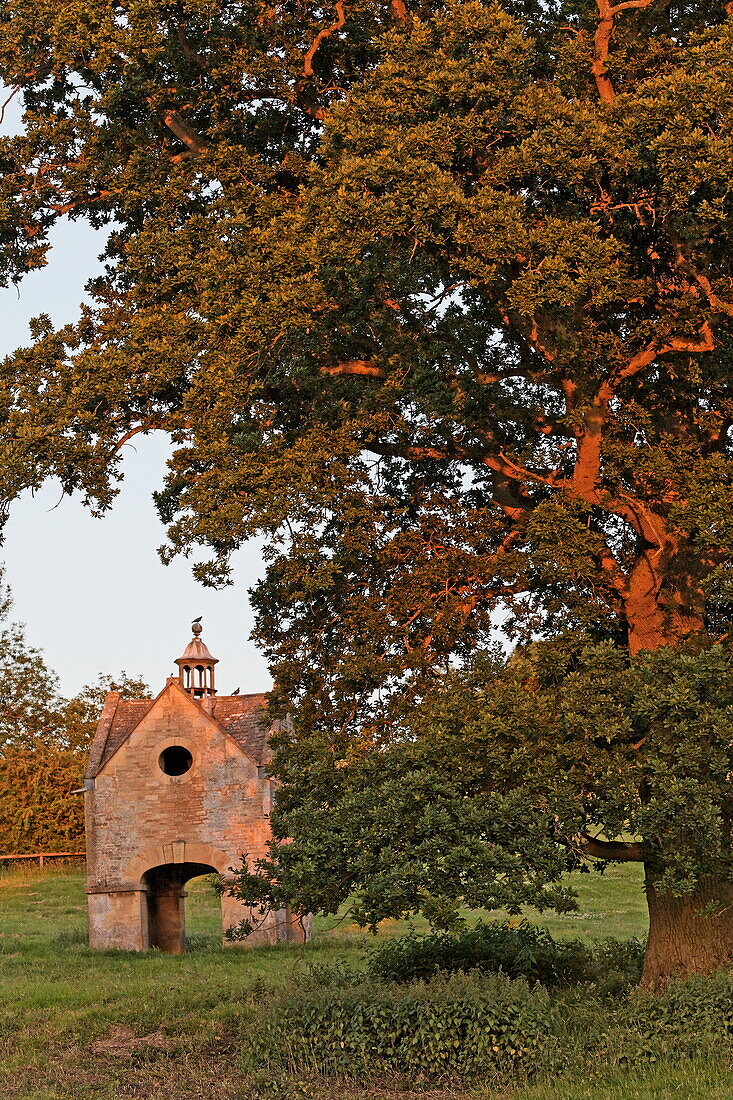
<point>76,1024</point>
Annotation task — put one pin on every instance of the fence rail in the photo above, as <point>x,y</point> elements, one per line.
<point>42,856</point>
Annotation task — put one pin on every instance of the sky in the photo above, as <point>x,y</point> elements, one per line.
<point>93,593</point>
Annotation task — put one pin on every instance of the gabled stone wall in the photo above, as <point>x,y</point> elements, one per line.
<point>139,819</point>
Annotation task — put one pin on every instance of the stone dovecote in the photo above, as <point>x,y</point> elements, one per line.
<point>176,787</point>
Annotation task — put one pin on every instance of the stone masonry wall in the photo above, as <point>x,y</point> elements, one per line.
<point>221,801</point>
<point>139,818</point>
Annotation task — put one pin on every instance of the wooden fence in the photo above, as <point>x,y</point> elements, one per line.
<point>42,856</point>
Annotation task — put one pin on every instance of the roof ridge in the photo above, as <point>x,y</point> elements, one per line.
<point>240,698</point>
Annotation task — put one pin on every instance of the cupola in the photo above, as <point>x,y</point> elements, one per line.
<point>196,666</point>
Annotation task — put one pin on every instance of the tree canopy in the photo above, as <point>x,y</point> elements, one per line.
<point>435,297</point>
<point>507,774</point>
<point>452,283</point>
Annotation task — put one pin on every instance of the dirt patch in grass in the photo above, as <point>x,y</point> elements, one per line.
<point>121,1042</point>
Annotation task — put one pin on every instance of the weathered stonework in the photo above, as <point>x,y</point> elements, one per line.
<point>149,832</point>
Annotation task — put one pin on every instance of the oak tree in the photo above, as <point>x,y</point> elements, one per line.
<point>504,775</point>
<point>435,297</point>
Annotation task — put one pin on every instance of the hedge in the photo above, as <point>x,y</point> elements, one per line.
<point>461,1027</point>
<point>38,812</point>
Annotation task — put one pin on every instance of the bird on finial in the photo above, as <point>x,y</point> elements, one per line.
<point>197,620</point>
<point>236,691</point>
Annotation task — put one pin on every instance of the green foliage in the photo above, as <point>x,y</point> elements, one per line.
<point>38,812</point>
<point>504,776</point>
<point>491,1029</point>
<point>516,950</point>
<point>452,1028</point>
<point>691,1016</point>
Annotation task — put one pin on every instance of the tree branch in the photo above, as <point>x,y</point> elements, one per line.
<point>602,43</point>
<point>616,851</point>
<point>188,52</point>
<point>717,304</point>
<point>66,208</point>
<point>505,493</point>
<point>415,453</point>
<point>178,126</point>
<point>613,571</point>
<point>588,459</point>
<point>338,7</point>
<point>14,91</point>
<point>359,367</point>
<point>152,424</point>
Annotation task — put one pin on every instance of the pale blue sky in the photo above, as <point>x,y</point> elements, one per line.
<point>93,592</point>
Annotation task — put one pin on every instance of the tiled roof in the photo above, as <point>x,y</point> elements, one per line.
<point>128,714</point>
<point>99,742</point>
<point>241,716</point>
<point>118,719</point>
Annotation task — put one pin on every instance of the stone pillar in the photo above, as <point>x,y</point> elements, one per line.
<point>274,927</point>
<point>118,918</point>
<point>233,912</point>
<point>292,930</point>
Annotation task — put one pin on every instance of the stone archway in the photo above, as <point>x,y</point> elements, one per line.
<point>166,913</point>
<point>151,913</point>
<point>178,851</point>
<point>160,873</point>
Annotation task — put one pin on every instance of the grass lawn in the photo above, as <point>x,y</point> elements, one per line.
<point>76,1024</point>
<point>611,904</point>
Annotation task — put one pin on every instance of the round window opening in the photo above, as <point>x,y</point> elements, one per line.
<point>175,760</point>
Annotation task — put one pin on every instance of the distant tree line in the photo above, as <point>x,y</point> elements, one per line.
<point>44,739</point>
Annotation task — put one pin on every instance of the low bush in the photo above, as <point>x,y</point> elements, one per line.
<point>692,1017</point>
<point>460,1027</point>
<point>490,1029</point>
<point>517,950</point>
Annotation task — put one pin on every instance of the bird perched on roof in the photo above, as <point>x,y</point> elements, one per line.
<point>236,691</point>
<point>197,620</point>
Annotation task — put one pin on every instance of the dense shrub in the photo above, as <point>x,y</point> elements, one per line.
<point>519,951</point>
<point>693,1017</point>
<point>460,1027</point>
<point>334,1024</point>
<point>38,813</point>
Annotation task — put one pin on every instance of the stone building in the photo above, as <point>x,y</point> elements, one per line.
<point>175,787</point>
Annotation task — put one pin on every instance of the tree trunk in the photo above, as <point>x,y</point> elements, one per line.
<point>656,618</point>
<point>650,629</point>
<point>692,934</point>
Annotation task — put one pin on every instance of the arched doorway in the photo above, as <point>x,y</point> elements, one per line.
<point>166,903</point>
